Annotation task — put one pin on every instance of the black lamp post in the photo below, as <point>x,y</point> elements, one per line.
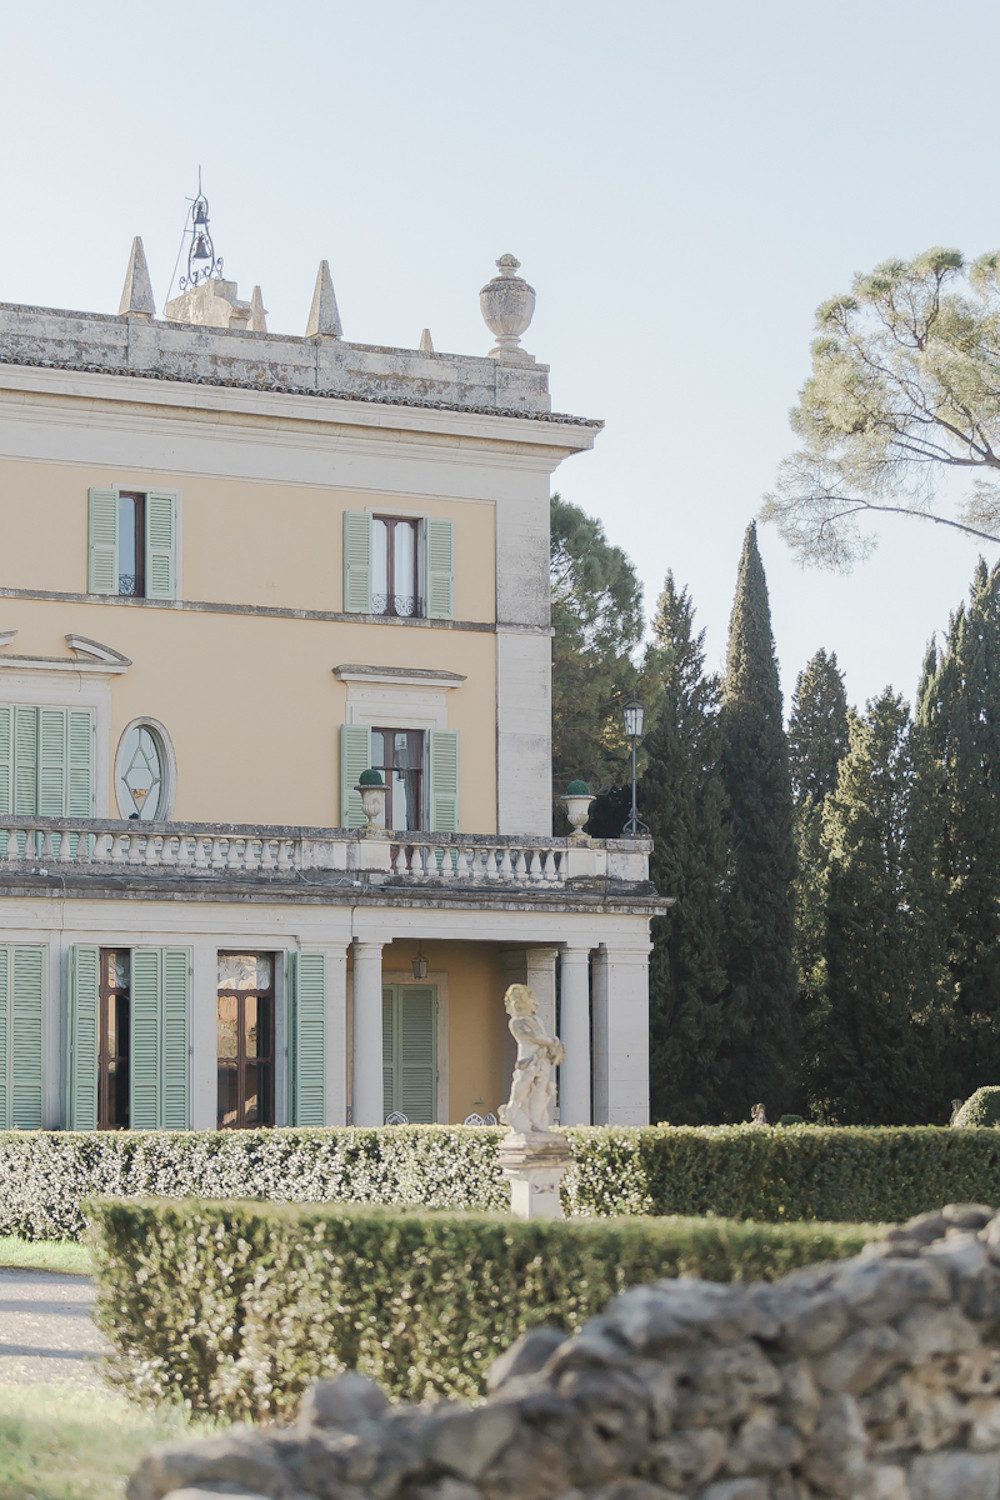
<point>634,714</point>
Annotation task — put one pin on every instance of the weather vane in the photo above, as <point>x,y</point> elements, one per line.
<point>203,264</point>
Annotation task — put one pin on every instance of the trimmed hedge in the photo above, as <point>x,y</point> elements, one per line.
<point>737,1172</point>
<point>981,1108</point>
<point>235,1307</point>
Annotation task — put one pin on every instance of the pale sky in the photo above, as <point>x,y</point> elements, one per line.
<point>683,185</point>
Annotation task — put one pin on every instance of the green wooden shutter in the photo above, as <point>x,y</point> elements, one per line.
<point>440,559</point>
<point>51,762</point>
<point>355,757</point>
<point>25,762</point>
<point>307,1007</point>
<point>158,1062</point>
<point>175,965</point>
<point>25,1049</point>
<point>416,1061</point>
<point>388,1050</point>
<point>357,562</point>
<point>79,763</point>
<point>144,1039</point>
<point>84,1037</point>
<point>102,538</point>
<point>6,759</point>
<point>442,777</point>
<point>161,545</point>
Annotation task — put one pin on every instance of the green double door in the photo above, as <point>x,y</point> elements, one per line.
<point>409,1051</point>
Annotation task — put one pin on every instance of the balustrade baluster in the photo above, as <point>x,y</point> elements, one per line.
<point>286,849</point>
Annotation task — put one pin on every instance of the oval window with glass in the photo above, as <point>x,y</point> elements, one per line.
<point>142,774</point>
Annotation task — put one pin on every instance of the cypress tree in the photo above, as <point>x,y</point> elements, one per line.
<point>817,743</point>
<point>761,1025</point>
<point>959,716</point>
<point>870,1065</point>
<point>682,801</point>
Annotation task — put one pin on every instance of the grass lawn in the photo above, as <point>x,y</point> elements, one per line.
<point>61,1443</point>
<point>45,1255</point>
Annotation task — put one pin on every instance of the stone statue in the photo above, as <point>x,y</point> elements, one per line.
<point>956,1105</point>
<point>758,1115</point>
<point>533,1085</point>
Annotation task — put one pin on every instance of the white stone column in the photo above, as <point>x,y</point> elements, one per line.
<point>204,1033</point>
<point>574,1075</point>
<point>621,1034</point>
<point>368,1090</point>
<point>336,1036</point>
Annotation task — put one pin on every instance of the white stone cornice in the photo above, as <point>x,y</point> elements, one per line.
<point>83,648</point>
<point>400,676</point>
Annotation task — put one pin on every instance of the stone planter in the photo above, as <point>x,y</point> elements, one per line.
<point>373,806</point>
<point>578,811</point>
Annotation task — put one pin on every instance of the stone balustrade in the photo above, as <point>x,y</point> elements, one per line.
<point>45,846</point>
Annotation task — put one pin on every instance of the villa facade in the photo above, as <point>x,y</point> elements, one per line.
<point>239,569</point>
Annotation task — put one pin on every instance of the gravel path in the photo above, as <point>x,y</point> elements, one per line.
<point>46,1333</point>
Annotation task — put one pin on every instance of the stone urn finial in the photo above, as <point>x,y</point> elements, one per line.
<point>508,304</point>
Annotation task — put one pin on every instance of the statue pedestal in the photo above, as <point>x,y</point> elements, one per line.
<point>535,1165</point>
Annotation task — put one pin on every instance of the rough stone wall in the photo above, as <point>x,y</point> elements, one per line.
<point>871,1379</point>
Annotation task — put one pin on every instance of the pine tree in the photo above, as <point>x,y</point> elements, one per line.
<point>761,1024</point>
<point>817,743</point>
<point>959,716</point>
<point>871,1062</point>
<point>682,802</point>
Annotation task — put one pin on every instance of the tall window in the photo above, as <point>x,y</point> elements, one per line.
<point>246,1040</point>
<point>399,755</point>
<point>113,1040</point>
<point>395,589</point>
<point>141,768</point>
<point>132,545</point>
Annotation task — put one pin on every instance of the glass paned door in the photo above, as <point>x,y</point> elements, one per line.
<point>245,1040</point>
<point>399,755</point>
<point>113,1049</point>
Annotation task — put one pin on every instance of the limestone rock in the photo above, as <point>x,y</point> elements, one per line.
<point>342,1402</point>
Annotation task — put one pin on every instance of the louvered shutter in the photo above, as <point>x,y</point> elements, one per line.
<point>416,1059</point>
<point>84,1037</point>
<point>144,1039</point>
<point>158,1064</point>
<point>79,763</point>
<point>355,757</point>
<point>102,539</point>
<point>388,1050</point>
<point>442,777</point>
<point>51,762</point>
<point>161,545</point>
<point>25,1048</point>
<point>6,760</point>
<point>357,562</point>
<point>307,995</point>
<point>25,762</point>
<point>174,1065</point>
<point>440,567</point>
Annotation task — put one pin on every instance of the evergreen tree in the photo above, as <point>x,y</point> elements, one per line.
<point>597,624</point>
<point>761,1026</point>
<point>817,743</point>
<point>959,717</point>
<point>682,802</point>
<point>870,1062</point>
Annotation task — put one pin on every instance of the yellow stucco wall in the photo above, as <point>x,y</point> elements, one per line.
<point>476,1019</point>
<point>249,701</point>
<point>242,542</point>
<point>252,706</point>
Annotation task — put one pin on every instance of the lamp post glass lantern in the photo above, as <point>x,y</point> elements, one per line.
<point>634,715</point>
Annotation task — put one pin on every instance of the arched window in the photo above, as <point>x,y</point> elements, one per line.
<point>144,772</point>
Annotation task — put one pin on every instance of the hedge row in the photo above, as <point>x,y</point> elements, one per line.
<point>235,1307</point>
<point>736,1172</point>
